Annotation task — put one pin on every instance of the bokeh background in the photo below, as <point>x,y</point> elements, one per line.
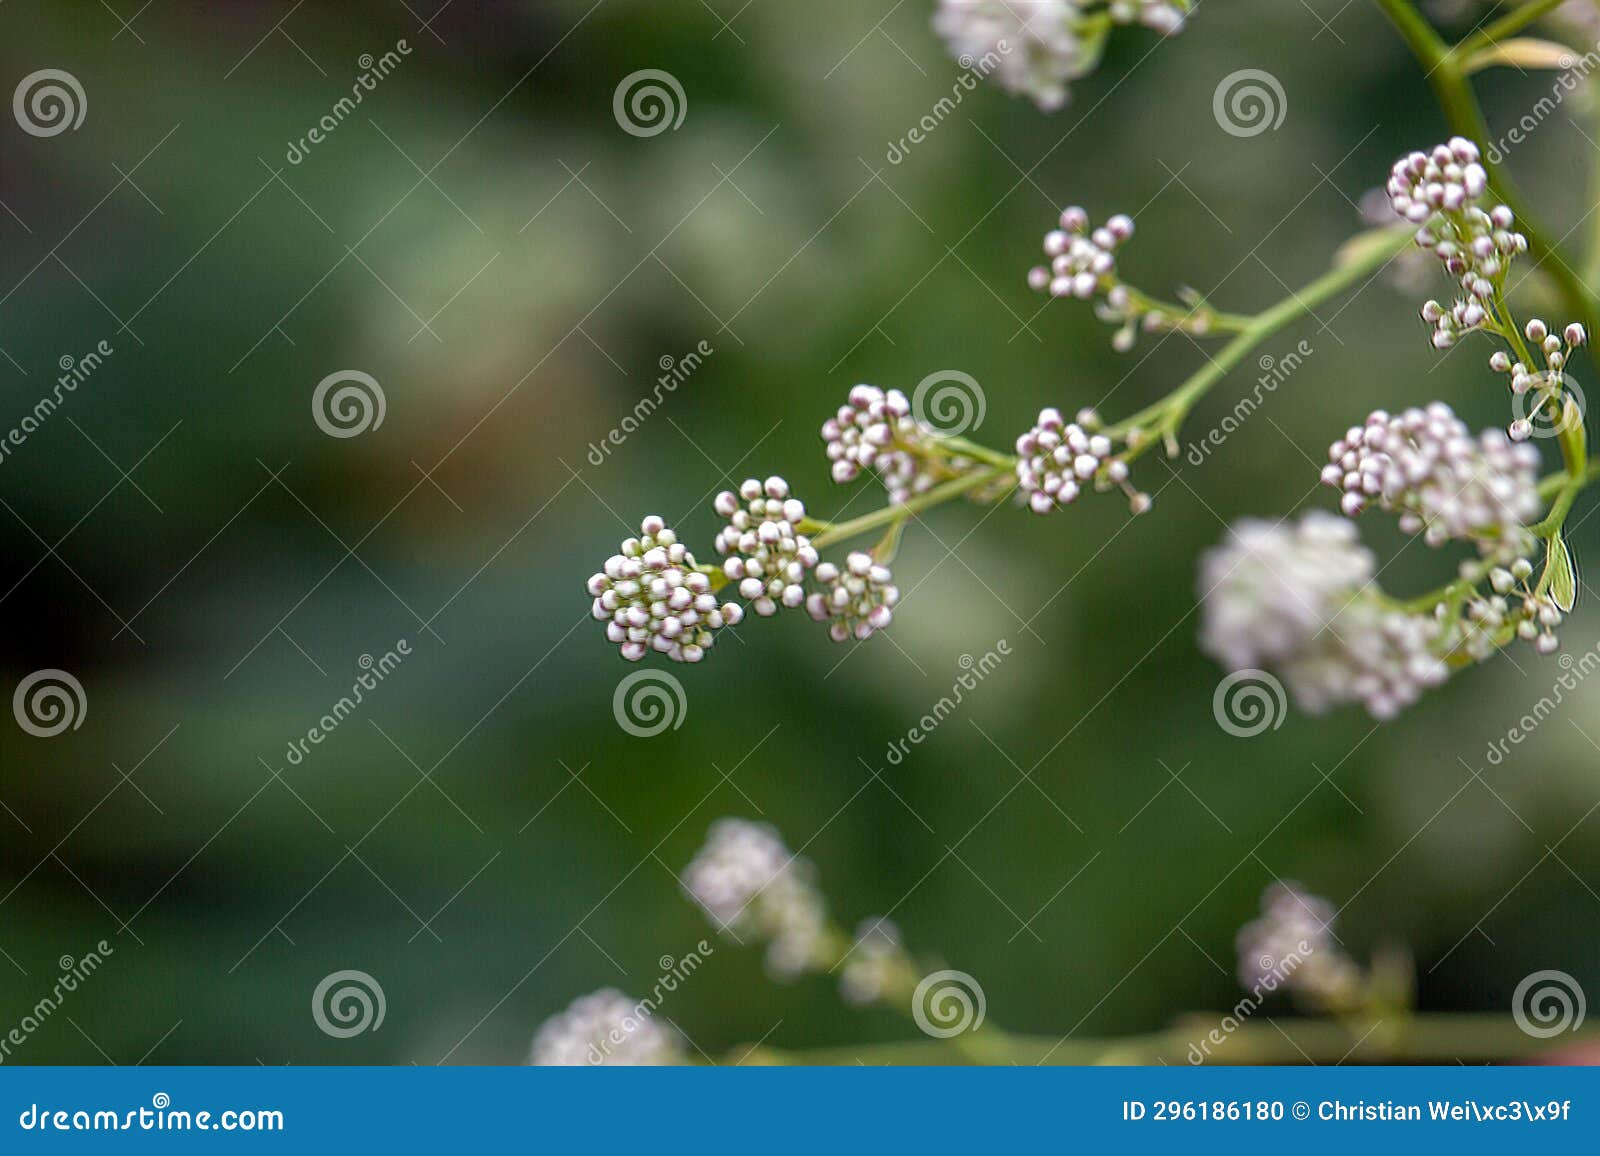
<point>484,240</point>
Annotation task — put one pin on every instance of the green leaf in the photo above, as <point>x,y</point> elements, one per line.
<point>1560,578</point>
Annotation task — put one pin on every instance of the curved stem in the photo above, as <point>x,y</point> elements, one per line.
<point>1166,414</point>
<point>838,531</point>
<point>1507,26</point>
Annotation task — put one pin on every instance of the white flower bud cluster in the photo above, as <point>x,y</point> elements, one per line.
<point>605,1028</point>
<point>1512,607</point>
<point>1038,43</point>
<point>1425,465</point>
<point>651,597</point>
<point>872,962</point>
<point>1295,599</point>
<point>1083,264</point>
<point>1449,325</point>
<point>1056,459</point>
<point>1442,192</point>
<point>856,600</point>
<point>874,430</point>
<point>1293,942</point>
<point>1546,384</point>
<point>746,880</point>
<point>770,557</point>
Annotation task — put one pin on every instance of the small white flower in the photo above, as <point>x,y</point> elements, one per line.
<point>746,880</point>
<point>606,1028</point>
<point>770,557</point>
<point>872,962</point>
<point>1293,943</point>
<point>856,600</point>
<point>651,596</point>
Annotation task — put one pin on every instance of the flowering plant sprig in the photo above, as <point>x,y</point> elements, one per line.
<point>654,595</point>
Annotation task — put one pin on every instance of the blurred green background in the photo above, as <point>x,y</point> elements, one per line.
<point>485,188</point>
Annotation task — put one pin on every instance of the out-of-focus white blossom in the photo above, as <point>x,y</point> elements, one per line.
<point>1371,653</point>
<point>872,962</point>
<point>1295,599</point>
<point>605,1028</point>
<point>1292,943</point>
<point>746,880</point>
<point>1039,43</point>
<point>1272,587</point>
<point>651,596</point>
<point>1043,45</point>
<point>856,600</point>
<point>770,557</point>
<point>1163,16</point>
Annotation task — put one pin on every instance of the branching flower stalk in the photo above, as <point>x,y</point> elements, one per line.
<point>655,595</point>
<point>1300,599</point>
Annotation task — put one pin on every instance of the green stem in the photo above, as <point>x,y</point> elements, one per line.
<point>1571,485</point>
<point>1437,1038</point>
<point>1184,316</point>
<point>1507,26</point>
<point>839,531</point>
<point>1166,414</point>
